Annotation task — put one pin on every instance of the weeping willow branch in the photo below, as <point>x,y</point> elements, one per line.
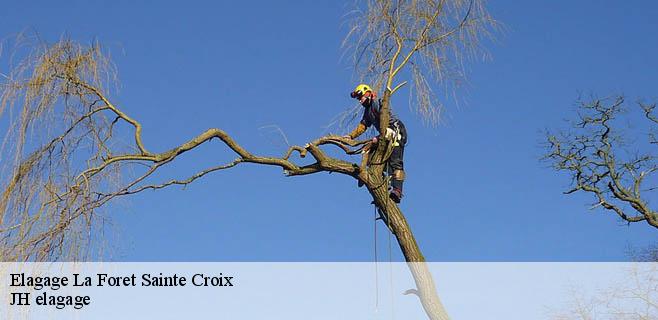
<point>435,37</point>
<point>68,161</point>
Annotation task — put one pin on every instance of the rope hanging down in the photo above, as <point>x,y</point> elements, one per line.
<point>380,214</point>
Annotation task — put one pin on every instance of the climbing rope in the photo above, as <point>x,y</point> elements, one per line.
<point>390,247</point>
<point>383,215</point>
<point>380,214</point>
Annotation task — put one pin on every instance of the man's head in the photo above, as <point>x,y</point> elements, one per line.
<point>363,93</point>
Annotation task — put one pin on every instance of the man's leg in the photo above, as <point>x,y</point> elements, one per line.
<point>396,172</point>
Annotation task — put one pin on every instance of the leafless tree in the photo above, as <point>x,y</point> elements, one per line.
<point>67,159</point>
<point>644,254</point>
<point>608,163</point>
<point>634,299</point>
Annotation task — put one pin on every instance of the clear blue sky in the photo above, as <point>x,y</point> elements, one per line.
<point>476,190</point>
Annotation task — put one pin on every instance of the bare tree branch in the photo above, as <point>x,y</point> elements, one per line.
<point>593,155</point>
<point>47,190</point>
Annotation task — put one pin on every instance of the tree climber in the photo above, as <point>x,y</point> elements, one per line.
<point>395,132</point>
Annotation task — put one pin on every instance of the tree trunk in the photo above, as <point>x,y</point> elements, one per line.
<point>378,188</point>
<point>398,225</point>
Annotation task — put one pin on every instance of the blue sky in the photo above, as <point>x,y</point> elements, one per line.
<point>476,190</point>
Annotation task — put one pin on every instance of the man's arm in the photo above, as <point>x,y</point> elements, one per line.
<point>360,129</point>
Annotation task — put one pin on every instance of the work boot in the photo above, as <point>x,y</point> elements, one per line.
<point>396,190</point>
<point>396,195</point>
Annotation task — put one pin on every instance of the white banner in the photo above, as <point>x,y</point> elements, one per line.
<point>309,290</point>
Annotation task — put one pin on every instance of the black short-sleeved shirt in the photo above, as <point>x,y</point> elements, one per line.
<point>371,115</point>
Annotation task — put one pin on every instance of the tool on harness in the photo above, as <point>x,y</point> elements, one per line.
<point>394,134</point>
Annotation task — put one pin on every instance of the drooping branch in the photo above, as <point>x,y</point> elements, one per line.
<point>55,187</point>
<point>156,160</point>
<point>434,37</point>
